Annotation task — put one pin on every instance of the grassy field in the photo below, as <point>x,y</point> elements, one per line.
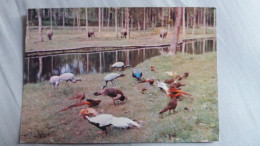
<point>40,124</point>
<point>68,38</point>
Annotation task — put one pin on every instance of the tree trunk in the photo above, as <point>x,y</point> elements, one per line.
<point>177,26</point>
<point>51,18</point>
<point>122,19</point>
<point>169,18</point>
<point>127,22</point>
<point>28,26</point>
<point>204,21</point>
<point>116,22</point>
<point>99,22</point>
<point>183,23</point>
<point>78,19</point>
<point>138,26</point>
<point>162,19</point>
<point>108,18</point>
<point>86,11</point>
<point>102,17</point>
<point>194,21</point>
<point>144,21</point>
<point>40,26</point>
<point>63,18</point>
<point>214,20</point>
<point>74,18</point>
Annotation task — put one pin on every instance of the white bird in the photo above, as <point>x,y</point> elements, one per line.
<point>69,77</point>
<point>55,81</point>
<point>171,74</point>
<point>111,77</point>
<point>102,121</point>
<point>163,86</point>
<point>119,65</point>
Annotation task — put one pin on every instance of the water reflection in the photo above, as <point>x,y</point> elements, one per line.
<point>38,69</point>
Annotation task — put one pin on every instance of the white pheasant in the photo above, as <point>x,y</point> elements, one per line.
<point>102,121</point>
<point>163,86</point>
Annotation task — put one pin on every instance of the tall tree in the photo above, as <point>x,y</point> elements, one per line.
<point>169,18</point>
<point>108,17</point>
<point>177,26</point>
<point>214,20</point>
<point>144,21</point>
<point>194,20</point>
<point>86,11</point>
<point>78,19</point>
<point>122,18</point>
<point>40,26</point>
<point>116,21</point>
<point>102,17</point>
<point>51,18</point>
<point>127,22</point>
<point>183,22</point>
<point>204,20</point>
<point>28,26</point>
<point>99,22</point>
<point>63,18</point>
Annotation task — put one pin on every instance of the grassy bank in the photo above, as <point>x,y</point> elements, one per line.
<point>200,123</point>
<point>68,38</point>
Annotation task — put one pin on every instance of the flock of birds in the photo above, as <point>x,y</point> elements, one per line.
<point>102,121</point>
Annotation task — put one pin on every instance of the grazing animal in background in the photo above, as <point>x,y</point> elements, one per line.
<point>79,96</point>
<point>123,33</point>
<point>171,74</point>
<point>163,33</point>
<point>150,81</point>
<point>55,81</point>
<point>49,34</point>
<point>69,77</point>
<point>102,121</point>
<point>163,86</point>
<point>172,104</point>
<point>152,68</point>
<point>137,73</point>
<point>119,65</point>
<point>89,102</point>
<point>91,33</point>
<point>111,77</point>
<point>116,94</point>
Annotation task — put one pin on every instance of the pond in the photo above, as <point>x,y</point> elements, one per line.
<point>38,69</point>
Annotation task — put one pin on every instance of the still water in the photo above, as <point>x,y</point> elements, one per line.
<point>38,69</point>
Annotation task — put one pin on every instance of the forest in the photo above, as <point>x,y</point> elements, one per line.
<point>142,25</point>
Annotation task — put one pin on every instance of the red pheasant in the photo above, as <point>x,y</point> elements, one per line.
<point>172,104</point>
<point>150,81</point>
<point>81,97</point>
<point>152,68</point>
<point>116,94</point>
<point>169,81</point>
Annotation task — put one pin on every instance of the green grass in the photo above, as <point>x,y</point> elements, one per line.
<point>40,124</point>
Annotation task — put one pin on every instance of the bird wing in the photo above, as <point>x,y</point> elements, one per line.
<point>102,119</point>
<point>122,122</point>
<point>163,86</point>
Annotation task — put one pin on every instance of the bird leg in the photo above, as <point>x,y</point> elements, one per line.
<point>104,85</point>
<point>102,132</point>
<point>118,96</point>
<point>112,81</point>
